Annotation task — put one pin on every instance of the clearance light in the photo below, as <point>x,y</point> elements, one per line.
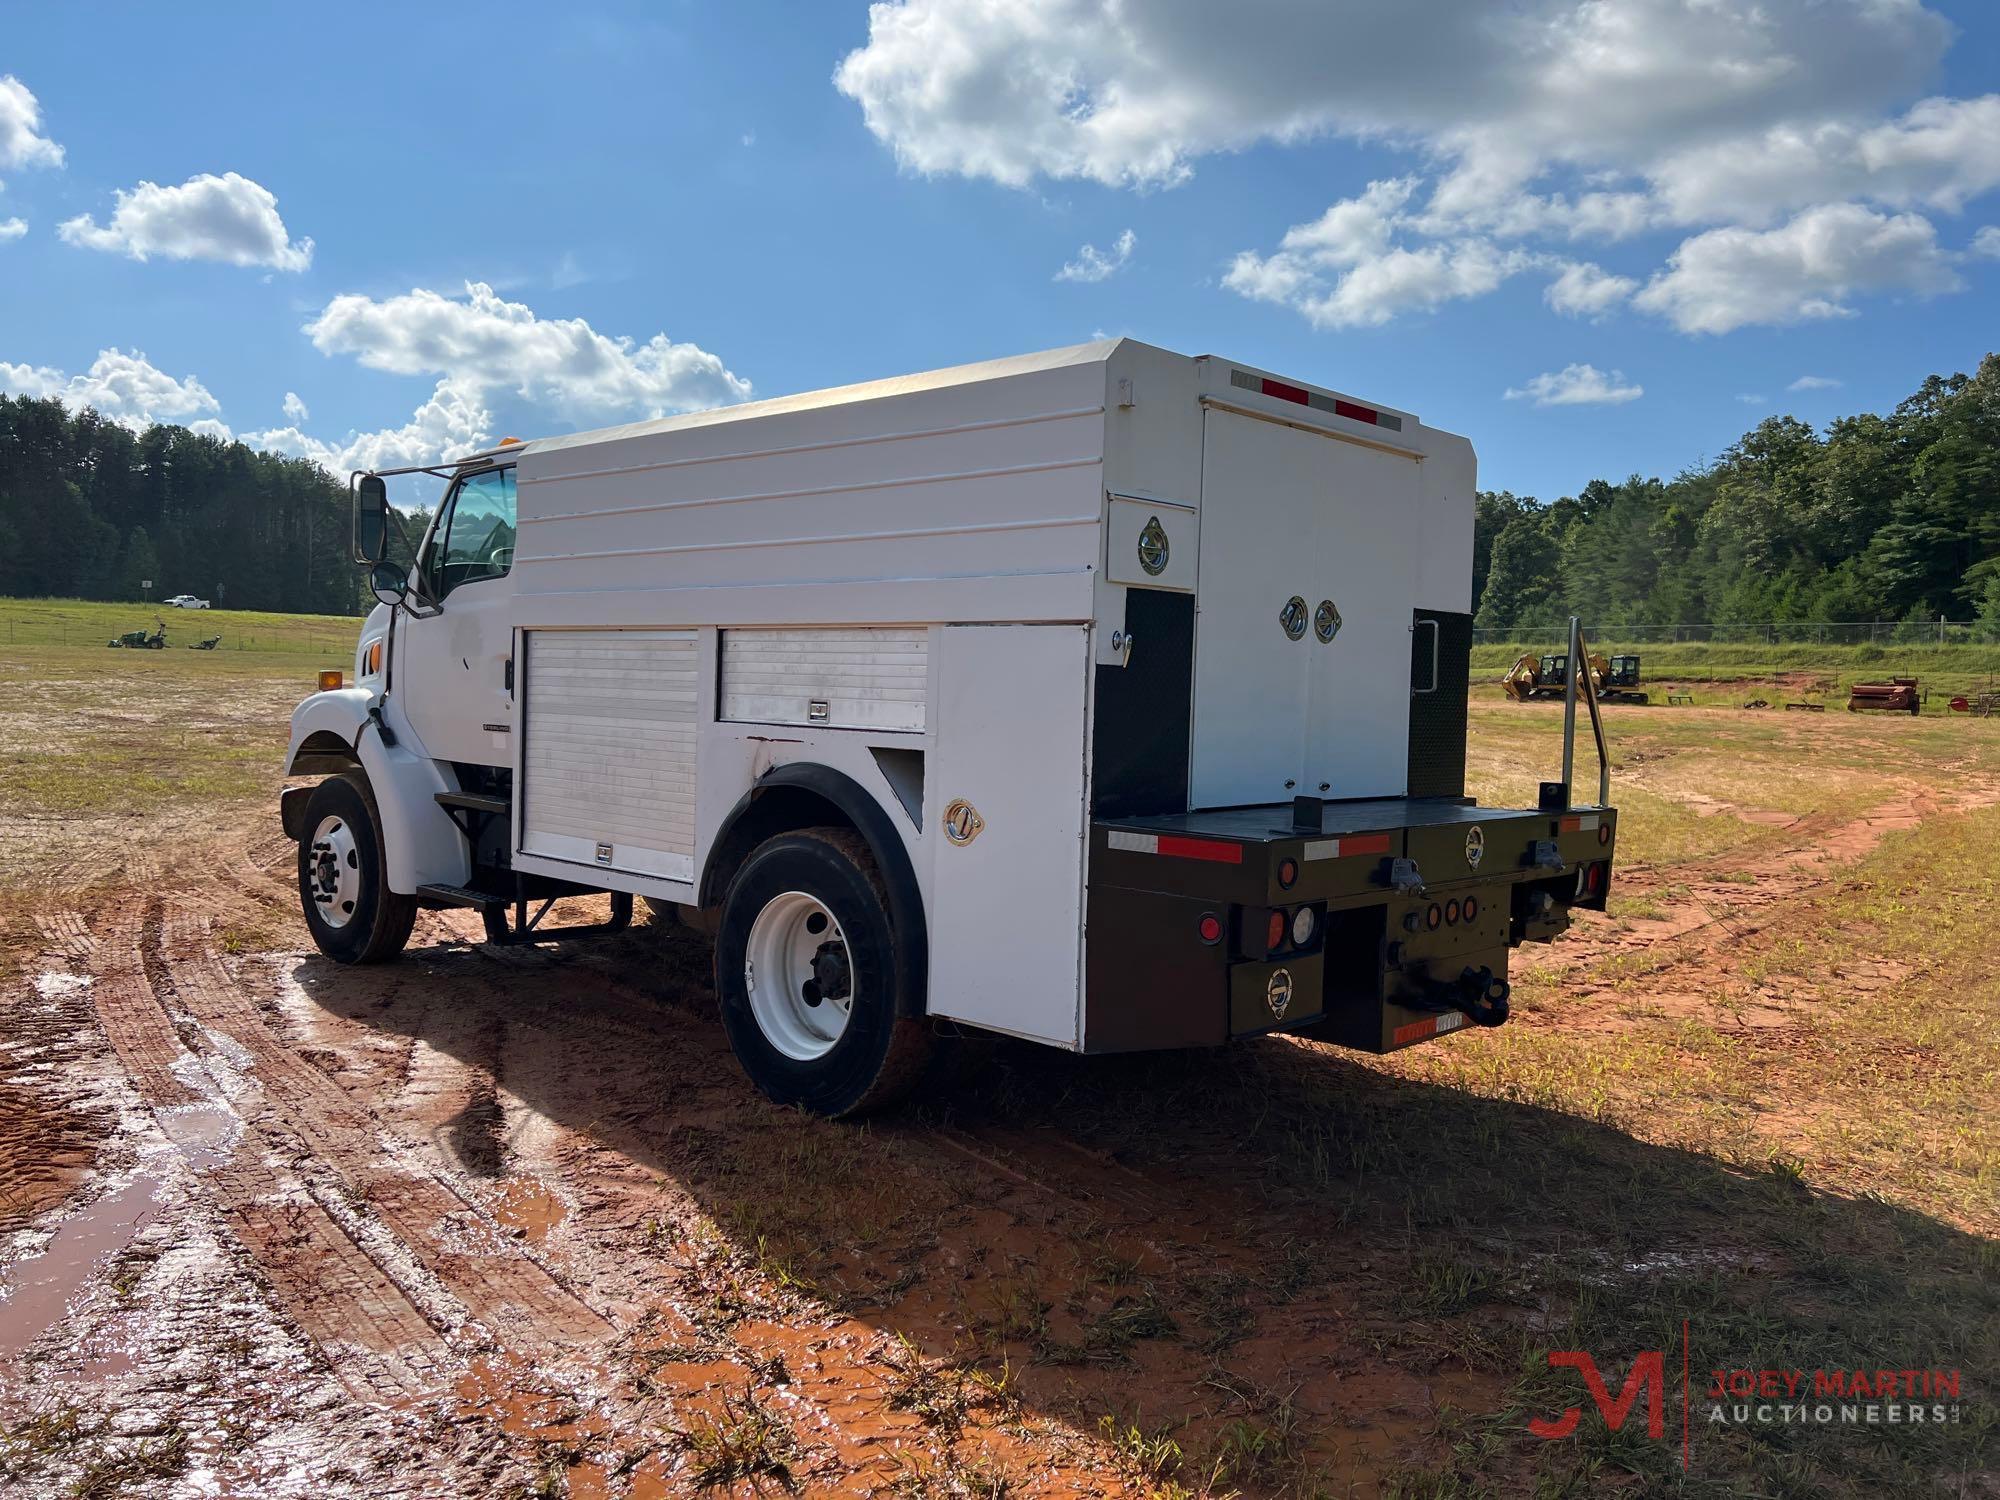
<point>330,680</point>
<point>1451,912</point>
<point>1603,833</point>
<point>1302,926</point>
<point>1209,928</point>
<point>1471,907</point>
<point>1288,873</point>
<point>1434,918</point>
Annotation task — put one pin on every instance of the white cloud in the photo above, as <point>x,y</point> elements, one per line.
<point>227,218</point>
<point>1587,291</point>
<point>1752,400</point>
<point>295,409</point>
<point>1987,242</point>
<point>22,143</point>
<point>1814,383</point>
<point>127,388</point>
<point>1093,264</point>
<point>1345,269</point>
<point>211,427</point>
<point>453,421</point>
<point>483,343</point>
<point>1132,94</point>
<point>1577,385</point>
<point>1939,155</point>
<point>1808,268</point>
<point>12,229</point>
<point>1553,120</point>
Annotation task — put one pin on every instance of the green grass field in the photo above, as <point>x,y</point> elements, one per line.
<point>86,622</point>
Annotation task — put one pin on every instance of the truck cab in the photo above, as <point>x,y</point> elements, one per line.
<point>1106,697</point>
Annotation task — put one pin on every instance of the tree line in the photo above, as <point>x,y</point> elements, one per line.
<point>1891,517</point>
<point>90,509</point>
<point>1877,518</point>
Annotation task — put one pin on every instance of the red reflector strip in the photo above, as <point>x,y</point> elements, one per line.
<point>1285,392</point>
<point>1430,1026</point>
<point>1577,824</point>
<point>1348,409</point>
<point>1209,849</point>
<point>1179,845</point>
<point>1344,848</point>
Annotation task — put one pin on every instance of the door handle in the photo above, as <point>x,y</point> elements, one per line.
<point>1418,692</point>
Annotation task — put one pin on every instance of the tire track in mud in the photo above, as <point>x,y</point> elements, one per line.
<point>376,1340</point>
<point>514,1301</point>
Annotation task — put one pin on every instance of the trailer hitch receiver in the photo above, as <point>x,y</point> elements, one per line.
<point>1483,997</point>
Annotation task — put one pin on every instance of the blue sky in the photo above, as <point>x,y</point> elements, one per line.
<point>698,172</point>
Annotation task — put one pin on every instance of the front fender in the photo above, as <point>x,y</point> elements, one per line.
<point>332,732</point>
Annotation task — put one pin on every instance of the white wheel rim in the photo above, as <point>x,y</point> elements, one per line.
<point>335,871</point>
<point>795,954</point>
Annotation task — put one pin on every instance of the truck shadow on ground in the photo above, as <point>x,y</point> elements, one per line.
<point>1267,1268</point>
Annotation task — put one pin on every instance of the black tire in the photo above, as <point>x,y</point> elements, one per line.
<point>379,925</point>
<point>881,1053</point>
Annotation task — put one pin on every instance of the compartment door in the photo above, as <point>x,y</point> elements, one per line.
<point>1005,811</point>
<point>1251,676</point>
<point>1302,647</point>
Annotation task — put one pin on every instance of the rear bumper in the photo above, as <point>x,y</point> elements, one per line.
<point>1415,905</point>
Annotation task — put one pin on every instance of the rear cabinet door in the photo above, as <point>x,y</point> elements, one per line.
<point>1302,646</point>
<point>1358,703</point>
<point>1251,678</point>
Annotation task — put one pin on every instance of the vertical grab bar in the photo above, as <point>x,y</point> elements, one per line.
<point>1433,624</point>
<point>1579,666</point>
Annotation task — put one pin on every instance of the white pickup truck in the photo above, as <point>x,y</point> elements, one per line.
<point>1106,697</point>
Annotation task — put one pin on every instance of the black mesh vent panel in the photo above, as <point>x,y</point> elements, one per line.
<point>1437,720</point>
<point>1139,744</point>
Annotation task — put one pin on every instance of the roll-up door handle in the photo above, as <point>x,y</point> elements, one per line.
<point>1417,692</point>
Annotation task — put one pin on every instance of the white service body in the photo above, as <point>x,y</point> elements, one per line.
<point>937,564</point>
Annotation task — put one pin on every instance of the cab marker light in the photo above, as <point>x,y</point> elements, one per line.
<point>330,680</point>
<point>1298,395</point>
<point>1451,912</point>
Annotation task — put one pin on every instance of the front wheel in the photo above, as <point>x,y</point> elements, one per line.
<point>806,974</point>
<point>352,914</point>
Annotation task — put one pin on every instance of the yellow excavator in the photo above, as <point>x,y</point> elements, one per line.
<point>1616,679</point>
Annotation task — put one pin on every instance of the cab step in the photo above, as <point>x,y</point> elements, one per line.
<point>459,895</point>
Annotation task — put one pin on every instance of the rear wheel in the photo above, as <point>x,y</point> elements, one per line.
<point>805,969</point>
<point>352,914</point>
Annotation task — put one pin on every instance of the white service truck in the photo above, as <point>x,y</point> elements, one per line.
<point>1105,697</point>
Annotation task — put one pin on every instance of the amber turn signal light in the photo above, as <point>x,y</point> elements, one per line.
<point>330,680</point>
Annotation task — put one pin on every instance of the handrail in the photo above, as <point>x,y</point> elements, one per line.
<point>1579,666</point>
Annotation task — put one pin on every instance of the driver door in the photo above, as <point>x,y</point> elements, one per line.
<point>450,668</point>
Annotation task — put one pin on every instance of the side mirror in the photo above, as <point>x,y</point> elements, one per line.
<point>371,519</point>
<point>389,583</point>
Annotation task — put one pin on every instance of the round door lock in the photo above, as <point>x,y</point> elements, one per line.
<point>1293,617</point>
<point>1153,548</point>
<point>1326,621</point>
